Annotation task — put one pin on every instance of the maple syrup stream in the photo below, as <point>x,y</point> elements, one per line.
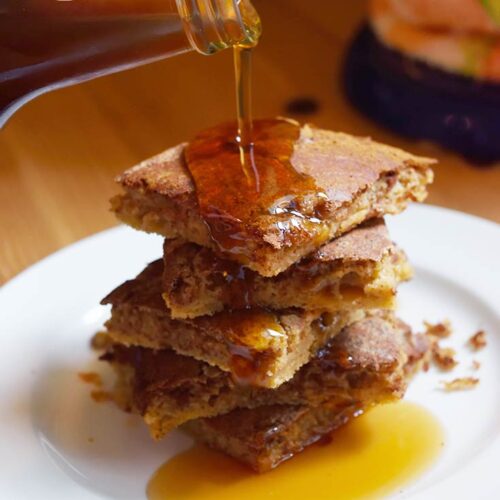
<point>243,80</point>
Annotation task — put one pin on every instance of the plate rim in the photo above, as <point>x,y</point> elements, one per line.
<point>475,467</point>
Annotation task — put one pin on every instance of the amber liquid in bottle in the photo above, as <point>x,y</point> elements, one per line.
<point>47,44</point>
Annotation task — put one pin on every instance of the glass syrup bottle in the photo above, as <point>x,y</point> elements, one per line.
<point>49,44</point>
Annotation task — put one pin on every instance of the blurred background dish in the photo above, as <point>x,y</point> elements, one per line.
<point>59,153</point>
<point>46,45</point>
<point>462,46</point>
<point>480,16</point>
<point>423,102</point>
<point>438,81</point>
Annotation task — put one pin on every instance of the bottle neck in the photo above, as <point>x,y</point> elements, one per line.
<point>214,25</point>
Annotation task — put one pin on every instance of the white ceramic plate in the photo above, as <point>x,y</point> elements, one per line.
<point>49,312</point>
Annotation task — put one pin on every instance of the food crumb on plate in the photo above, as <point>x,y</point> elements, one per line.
<point>90,378</point>
<point>460,384</point>
<point>444,357</point>
<point>478,340</point>
<point>440,330</point>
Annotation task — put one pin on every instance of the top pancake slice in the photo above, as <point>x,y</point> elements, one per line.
<point>356,179</point>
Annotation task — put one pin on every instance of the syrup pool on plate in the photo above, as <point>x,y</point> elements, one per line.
<point>370,457</point>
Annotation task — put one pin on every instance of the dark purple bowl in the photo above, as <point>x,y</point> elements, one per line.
<point>422,102</point>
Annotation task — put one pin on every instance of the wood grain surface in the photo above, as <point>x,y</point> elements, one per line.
<point>60,153</point>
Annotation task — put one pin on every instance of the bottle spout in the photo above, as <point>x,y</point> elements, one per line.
<point>213,25</point>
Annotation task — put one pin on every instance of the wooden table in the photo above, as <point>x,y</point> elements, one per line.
<point>59,154</point>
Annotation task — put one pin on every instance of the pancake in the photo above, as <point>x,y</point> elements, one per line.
<point>370,360</point>
<point>355,179</point>
<point>358,270</point>
<point>257,346</point>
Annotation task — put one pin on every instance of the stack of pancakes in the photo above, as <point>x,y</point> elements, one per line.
<point>263,355</point>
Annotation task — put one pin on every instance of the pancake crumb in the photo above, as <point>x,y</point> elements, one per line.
<point>100,396</point>
<point>476,364</point>
<point>460,384</point>
<point>444,357</point>
<point>361,179</point>
<point>440,330</point>
<point>90,378</point>
<point>478,340</point>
